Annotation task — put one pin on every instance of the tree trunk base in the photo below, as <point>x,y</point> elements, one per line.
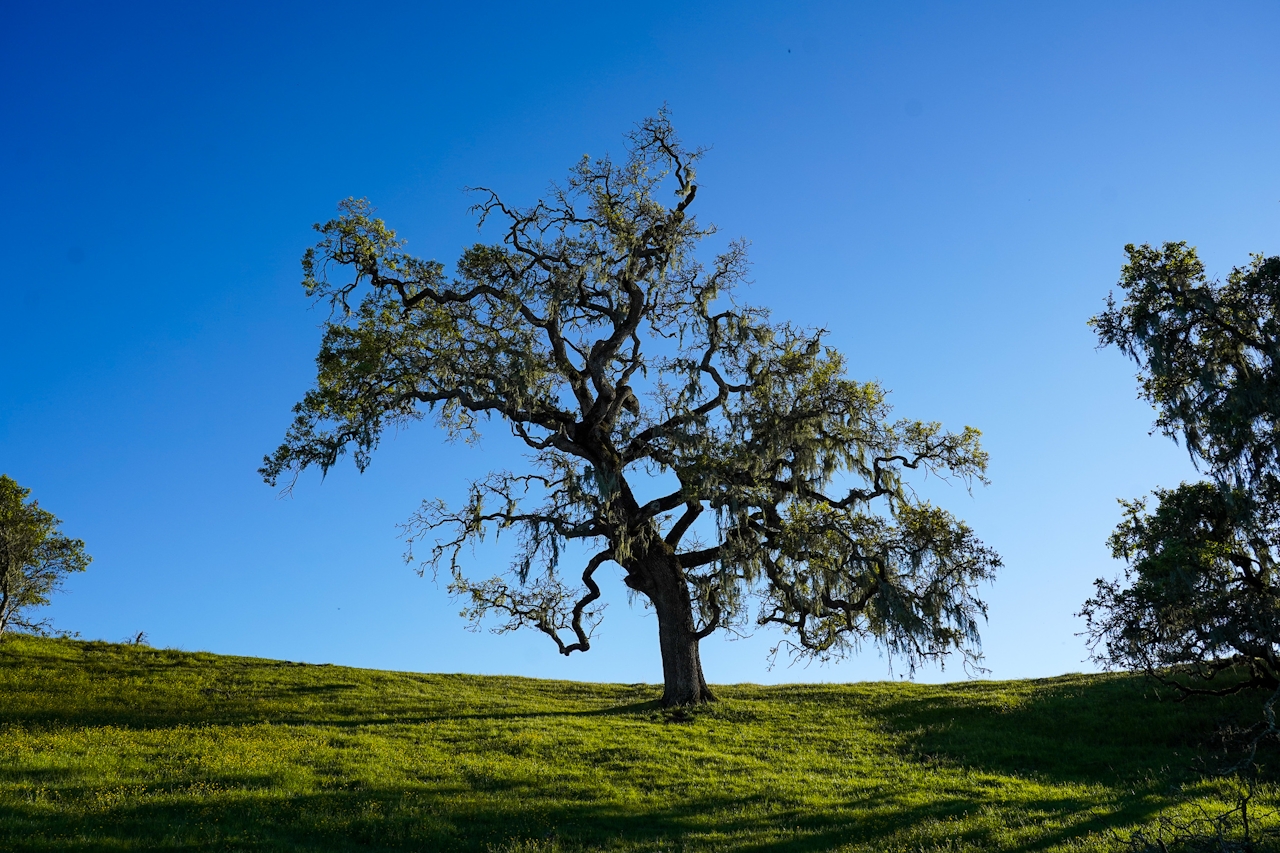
<point>687,699</point>
<point>683,682</point>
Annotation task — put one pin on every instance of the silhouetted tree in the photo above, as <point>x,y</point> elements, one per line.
<point>1201,591</point>
<point>651,404</point>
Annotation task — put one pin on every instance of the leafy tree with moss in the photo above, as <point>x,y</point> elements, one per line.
<point>722,461</point>
<point>35,558</point>
<point>1201,593</point>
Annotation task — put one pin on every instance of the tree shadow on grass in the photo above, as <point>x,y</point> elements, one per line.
<point>44,776</point>
<point>454,818</point>
<point>1068,729</point>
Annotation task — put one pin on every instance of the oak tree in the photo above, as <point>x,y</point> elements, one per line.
<point>35,558</point>
<point>1201,594</point>
<point>722,461</point>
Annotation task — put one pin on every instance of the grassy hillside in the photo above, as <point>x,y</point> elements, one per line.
<point>107,747</point>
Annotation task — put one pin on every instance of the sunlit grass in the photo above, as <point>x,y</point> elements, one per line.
<point>108,747</point>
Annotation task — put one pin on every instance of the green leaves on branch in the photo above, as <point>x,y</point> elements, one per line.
<point>1208,354</point>
<point>1200,592</point>
<point>35,557</point>
<point>843,577</point>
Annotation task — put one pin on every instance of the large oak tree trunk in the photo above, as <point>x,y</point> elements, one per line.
<point>683,683</point>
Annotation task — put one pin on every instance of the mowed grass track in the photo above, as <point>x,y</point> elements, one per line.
<point>109,747</point>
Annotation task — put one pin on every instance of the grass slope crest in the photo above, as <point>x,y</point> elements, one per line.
<point>121,747</point>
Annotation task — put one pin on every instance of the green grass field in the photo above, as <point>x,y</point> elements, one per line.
<point>109,747</point>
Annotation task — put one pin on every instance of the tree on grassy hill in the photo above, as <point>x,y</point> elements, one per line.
<point>1202,588</point>
<point>34,557</point>
<point>717,457</point>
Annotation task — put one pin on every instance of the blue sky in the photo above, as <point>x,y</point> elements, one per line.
<point>946,187</point>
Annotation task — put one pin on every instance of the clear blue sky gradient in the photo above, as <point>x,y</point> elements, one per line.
<point>946,187</point>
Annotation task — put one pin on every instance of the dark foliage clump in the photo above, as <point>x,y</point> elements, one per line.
<point>1199,603</point>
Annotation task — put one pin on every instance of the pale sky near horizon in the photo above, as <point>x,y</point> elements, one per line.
<point>947,188</point>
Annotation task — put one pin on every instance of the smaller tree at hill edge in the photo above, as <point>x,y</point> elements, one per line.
<point>35,558</point>
<point>1201,593</point>
<point>722,461</point>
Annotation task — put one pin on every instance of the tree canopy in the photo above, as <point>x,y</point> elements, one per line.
<point>1201,591</point>
<point>724,461</point>
<point>35,557</point>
